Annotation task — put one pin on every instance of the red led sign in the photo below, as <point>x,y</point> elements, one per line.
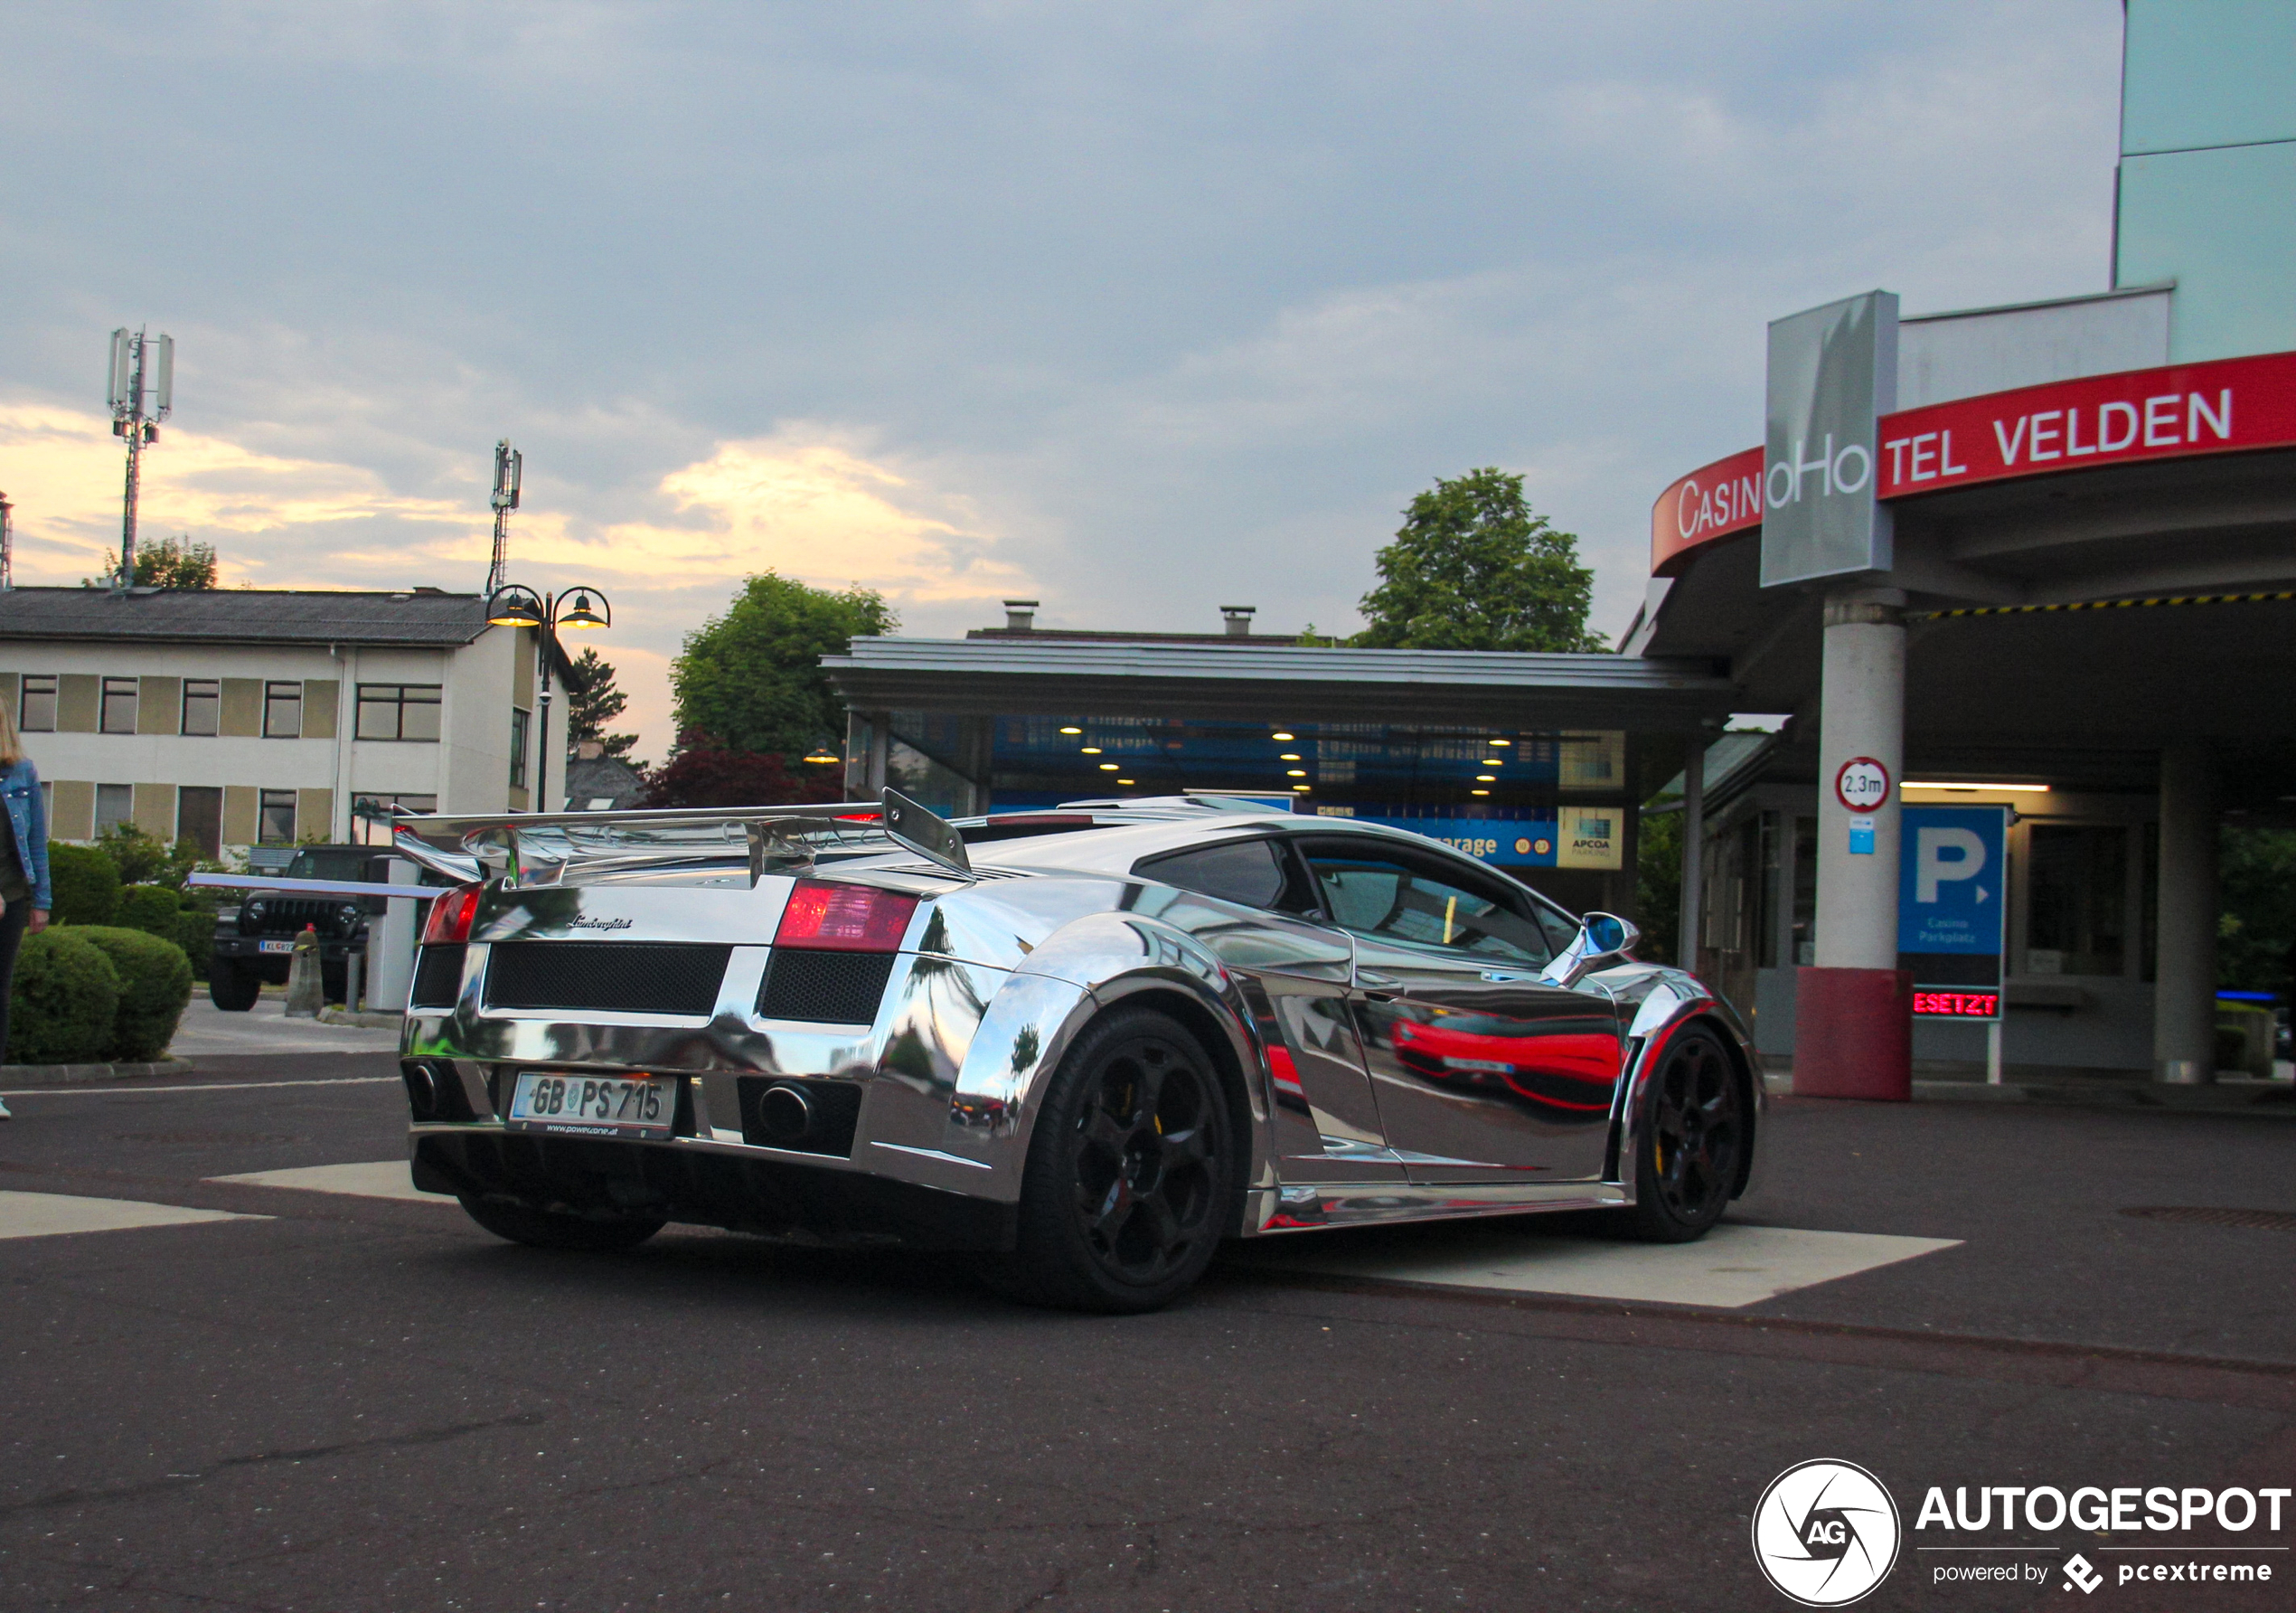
<point>1957,1004</point>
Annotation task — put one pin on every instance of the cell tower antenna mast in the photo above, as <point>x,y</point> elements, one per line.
<point>509,465</point>
<point>142,369</point>
<point>7,544</point>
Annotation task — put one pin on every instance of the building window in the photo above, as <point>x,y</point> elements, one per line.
<point>199,817</point>
<point>2079,876</point>
<point>276,824</point>
<point>518,720</point>
<point>119,706</point>
<point>203,701</point>
<point>370,815</point>
<point>399,711</point>
<point>283,711</point>
<point>115,804</point>
<point>37,712</point>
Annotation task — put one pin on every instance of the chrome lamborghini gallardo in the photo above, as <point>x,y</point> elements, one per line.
<point>1085,1044</point>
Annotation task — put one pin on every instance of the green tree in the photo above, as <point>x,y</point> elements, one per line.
<point>1474,567</point>
<point>2256,935</point>
<point>175,562</point>
<point>592,701</point>
<point>172,562</point>
<point>751,679</point>
<point>1658,886</point>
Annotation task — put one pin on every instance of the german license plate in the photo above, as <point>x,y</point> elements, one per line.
<point>640,1106</point>
<point>277,946</point>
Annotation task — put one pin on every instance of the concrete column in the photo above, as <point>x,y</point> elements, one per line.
<point>1693,850</point>
<point>390,951</point>
<point>1853,1019</point>
<point>2183,996</point>
<point>880,753</point>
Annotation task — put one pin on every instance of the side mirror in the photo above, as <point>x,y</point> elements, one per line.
<point>1602,938</point>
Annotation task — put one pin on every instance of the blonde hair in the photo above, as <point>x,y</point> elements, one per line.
<point>11,742</point>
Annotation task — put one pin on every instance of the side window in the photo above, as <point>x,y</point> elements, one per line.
<point>1248,871</point>
<point>1561,929</point>
<point>1374,891</point>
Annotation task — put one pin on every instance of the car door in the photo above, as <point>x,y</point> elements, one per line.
<point>1481,1071</point>
<point>1297,973</point>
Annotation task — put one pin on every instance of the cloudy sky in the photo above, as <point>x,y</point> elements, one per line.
<point>1140,309</point>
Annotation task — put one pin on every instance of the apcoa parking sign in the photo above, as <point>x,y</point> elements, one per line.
<point>1951,884</point>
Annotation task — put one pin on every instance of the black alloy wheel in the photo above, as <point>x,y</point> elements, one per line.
<point>1126,1188</point>
<point>1693,1145</point>
<point>544,1229</point>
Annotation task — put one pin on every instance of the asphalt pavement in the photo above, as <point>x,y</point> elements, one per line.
<point>326,1397</point>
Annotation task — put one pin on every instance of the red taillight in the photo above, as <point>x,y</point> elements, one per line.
<point>844,918</point>
<point>451,912</point>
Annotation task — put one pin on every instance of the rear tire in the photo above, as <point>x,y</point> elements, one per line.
<point>1690,1148</point>
<point>544,1229</point>
<point>1126,1193</point>
<point>232,987</point>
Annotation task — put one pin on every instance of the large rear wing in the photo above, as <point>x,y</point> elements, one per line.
<point>522,848</point>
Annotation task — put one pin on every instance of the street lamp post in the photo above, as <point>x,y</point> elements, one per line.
<point>514,605</point>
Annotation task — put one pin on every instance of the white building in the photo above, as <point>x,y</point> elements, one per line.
<point>239,717</point>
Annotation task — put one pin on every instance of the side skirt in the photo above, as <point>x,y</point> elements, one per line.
<point>1352,1205</point>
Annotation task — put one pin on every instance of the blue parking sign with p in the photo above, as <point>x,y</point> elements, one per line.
<point>1952,888</point>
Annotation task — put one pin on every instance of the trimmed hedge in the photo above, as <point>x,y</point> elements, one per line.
<point>86,884</point>
<point>195,934</point>
<point>66,998</point>
<point>151,908</point>
<point>155,984</point>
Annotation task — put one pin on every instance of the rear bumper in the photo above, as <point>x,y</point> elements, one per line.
<point>774,1197</point>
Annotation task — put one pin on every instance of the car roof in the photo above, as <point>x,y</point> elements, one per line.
<point>1113,840</point>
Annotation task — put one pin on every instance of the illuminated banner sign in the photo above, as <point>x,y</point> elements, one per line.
<point>1952,878</point>
<point>1712,502</point>
<point>1519,842</point>
<point>1832,372</point>
<point>2172,412</point>
<point>2226,406</point>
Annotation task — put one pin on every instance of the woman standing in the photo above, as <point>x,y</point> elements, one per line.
<point>23,862</point>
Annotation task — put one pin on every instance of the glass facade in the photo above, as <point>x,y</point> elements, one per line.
<point>2207,167</point>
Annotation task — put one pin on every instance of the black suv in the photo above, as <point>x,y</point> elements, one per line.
<point>261,946</point>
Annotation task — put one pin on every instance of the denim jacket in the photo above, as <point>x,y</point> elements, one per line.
<point>28,816</point>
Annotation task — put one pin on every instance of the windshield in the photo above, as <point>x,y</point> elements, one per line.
<point>313,864</point>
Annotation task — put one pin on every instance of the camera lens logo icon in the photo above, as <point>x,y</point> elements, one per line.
<point>1826,1533</point>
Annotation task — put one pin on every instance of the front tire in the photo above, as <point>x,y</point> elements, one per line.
<point>1126,1190</point>
<point>1690,1148</point>
<point>544,1229</point>
<point>231,986</point>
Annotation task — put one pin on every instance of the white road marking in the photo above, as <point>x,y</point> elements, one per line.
<point>1732,1266</point>
<point>108,1090</point>
<point>48,1214</point>
<point>383,1179</point>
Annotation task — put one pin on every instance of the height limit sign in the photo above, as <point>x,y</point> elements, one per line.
<point>1863,786</point>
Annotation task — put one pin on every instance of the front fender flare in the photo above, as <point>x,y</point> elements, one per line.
<point>1671,999</point>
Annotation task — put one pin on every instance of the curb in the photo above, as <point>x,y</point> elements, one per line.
<point>371,1021</point>
<point>2276,1102</point>
<point>72,1075</point>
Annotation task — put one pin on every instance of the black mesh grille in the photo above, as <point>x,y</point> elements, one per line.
<point>439,977</point>
<point>286,915</point>
<point>839,988</point>
<point>620,976</point>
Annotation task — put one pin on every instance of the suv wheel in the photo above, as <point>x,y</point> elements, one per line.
<point>233,986</point>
